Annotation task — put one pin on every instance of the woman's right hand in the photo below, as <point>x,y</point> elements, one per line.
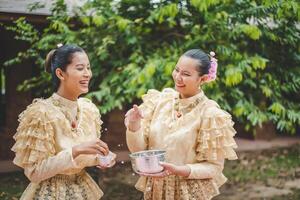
<point>92,147</point>
<point>108,161</point>
<point>133,118</point>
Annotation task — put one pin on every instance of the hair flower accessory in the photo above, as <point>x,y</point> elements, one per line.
<point>59,45</point>
<point>212,73</point>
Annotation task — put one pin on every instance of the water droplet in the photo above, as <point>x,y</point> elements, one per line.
<point>105,129</point>
<point>122,162</point>
<point>120,145</point>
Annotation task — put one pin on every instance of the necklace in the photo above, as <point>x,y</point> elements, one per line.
<point>73,121</point>
<point>180,111</point>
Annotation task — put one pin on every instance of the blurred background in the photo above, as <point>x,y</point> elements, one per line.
<point>133,45</point>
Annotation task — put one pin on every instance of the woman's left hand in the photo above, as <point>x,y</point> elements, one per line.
<point>111,164</point>
<point>170,169</point>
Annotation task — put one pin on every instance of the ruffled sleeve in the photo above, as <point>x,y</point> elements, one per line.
<point>148,106</point>
<point>149,103</point>
<point>34,137</point>
<point>35,144</point>
<point>138,141</point>
<point>214,144</point>
<point>215,138</point>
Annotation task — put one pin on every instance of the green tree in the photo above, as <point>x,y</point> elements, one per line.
<point>133,45</point>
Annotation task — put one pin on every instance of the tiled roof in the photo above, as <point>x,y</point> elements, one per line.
<point>22,6</point>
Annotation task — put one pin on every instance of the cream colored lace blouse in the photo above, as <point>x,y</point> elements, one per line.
<point>43,147</point>
<point>201,138</point>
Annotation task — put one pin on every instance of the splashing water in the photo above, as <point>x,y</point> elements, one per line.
<point>120,145</point>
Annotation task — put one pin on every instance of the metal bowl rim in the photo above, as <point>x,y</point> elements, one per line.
<point>161,152</point>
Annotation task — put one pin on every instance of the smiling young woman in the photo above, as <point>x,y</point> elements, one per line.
<point>195,132</point>
<point>58,137</point>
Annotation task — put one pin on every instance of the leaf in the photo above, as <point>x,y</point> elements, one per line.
<point>169,67</point>
<point>293,116</point>
<point>277,108</point>
<point>98,20</point>
<point>150,70</point>
<point>122,23</point>
<point>203,5</point>
<point>239,110</point>
<point>86,20</point>
<point>266,90</point>
<point>233,76</point>
<point>251,30</point>
<point>258,62</point>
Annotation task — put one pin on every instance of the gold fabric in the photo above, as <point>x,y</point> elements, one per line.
<point>43,148</point>
<point>202,138</point>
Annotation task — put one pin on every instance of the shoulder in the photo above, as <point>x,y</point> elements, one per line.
<point>39,108</point>
<point>39,103</point>
<point>87,105</point>
<point>156,96</point>
<point>151,95</point>
<point>40,114</point>
<point>169,93</point>
<point>215,118</point>
<point>212,109</point>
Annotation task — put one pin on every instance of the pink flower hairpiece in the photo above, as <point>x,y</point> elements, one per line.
<point>212,73</point>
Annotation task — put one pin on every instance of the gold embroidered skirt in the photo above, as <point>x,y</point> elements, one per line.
<point>64,187</point>
<point>177,188</point>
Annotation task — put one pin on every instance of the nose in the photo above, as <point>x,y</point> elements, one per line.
<point>178,76</point>
<point>87,73</point>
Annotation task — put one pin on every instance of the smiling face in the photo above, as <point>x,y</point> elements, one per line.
<point>186,77</point>
<point>75,79</point>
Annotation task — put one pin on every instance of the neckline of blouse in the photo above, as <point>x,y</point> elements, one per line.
<point>192,99</point>
<point>65,102</point>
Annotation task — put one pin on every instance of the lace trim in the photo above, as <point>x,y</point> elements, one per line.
<point>174,187</point>
<point>215,139</point>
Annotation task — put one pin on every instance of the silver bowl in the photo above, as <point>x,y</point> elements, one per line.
<point>105,160</point>
<point>147,161</point>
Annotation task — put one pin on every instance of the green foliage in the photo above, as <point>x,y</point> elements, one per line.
<point>134,46</point>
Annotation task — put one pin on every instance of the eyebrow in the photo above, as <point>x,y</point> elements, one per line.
<point>81,64</point>
<point>183,70</point>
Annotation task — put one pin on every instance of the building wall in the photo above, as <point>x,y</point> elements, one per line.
<point>14,100</point>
